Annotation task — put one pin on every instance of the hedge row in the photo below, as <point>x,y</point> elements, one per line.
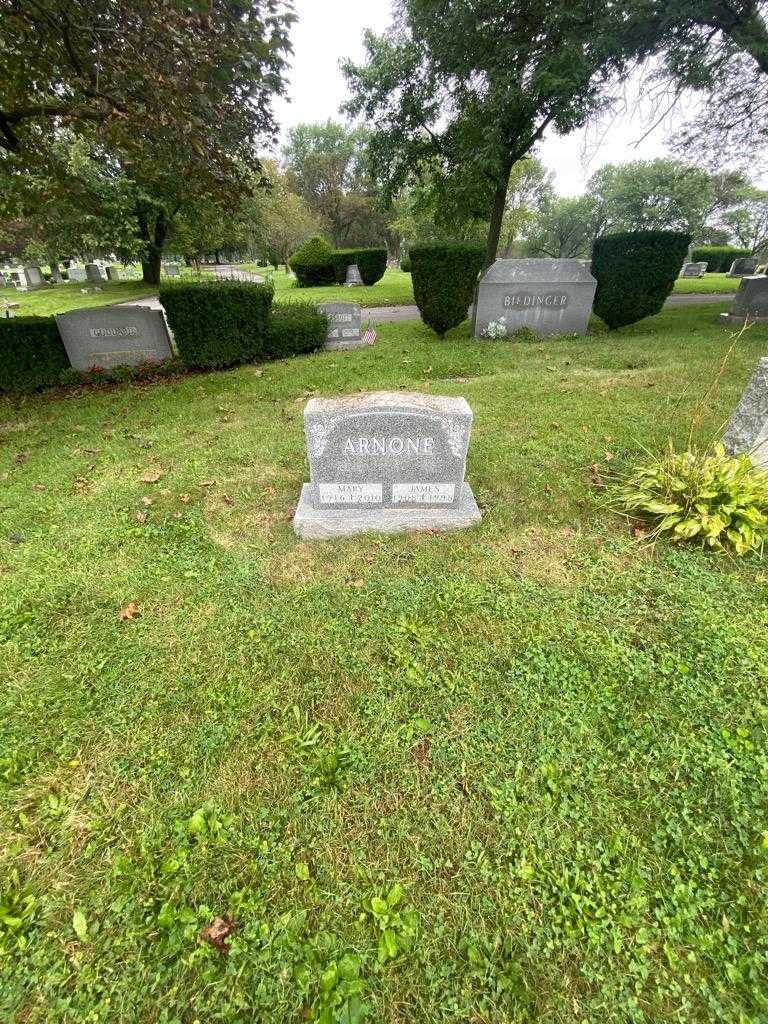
<point>316,263</point>
<point>635,272</point>
<point>718,257</point>
<point>444,279</point>
<point>214,323</point>
<point>32,354</point>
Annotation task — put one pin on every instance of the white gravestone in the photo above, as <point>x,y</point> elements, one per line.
<point>76,274</point>
<point>354,279</point>
<point>545,295</point>
<point>388,462</point>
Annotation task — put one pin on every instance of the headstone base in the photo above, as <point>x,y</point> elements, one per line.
<point>730,318</point>
<point>344,344</point>
<point>324,524</point>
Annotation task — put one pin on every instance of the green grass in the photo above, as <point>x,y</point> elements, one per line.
<point>552,737</point>
<point>709,284</point>
<point>62,297</point>
<point>394,289</point>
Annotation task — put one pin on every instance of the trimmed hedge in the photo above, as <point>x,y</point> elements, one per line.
<point>295,328</point>
<point>370,262</point>
<point>444,279</point>
<point>718,257</point>
<point>32,354</point>
<point>217,323</point>
<point>405,264</point>
<point>635,272</point>
<point>312,263</point>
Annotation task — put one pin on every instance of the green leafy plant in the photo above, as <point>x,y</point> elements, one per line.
<point>714,499</point>
<point>330,767</point>
<point>32,354</point>
<point>444,278</point>
<point>17,912</point>
<point>217,323</point>
<point>635,272</point>
<point>340,992</point>
<point>396,928</point>
<point>312,263</point>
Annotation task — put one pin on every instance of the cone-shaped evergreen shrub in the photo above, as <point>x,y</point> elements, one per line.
<point>444,277</point>
<point>635,273</point>
<point>312,263</point>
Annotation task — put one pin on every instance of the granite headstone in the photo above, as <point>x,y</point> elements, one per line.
<point>387,461</point>
<point>741,267</point>
<point>344,319</point>
<point>354,279</point>
<point>113,273</point>
<point>171,269</point>
<point>750,302</point>
<point>34,277</point>
<point>93,272</point>
<point>747,430</point>
<point>111,336</point>
<point>549,296</point>
<point>76,274</point>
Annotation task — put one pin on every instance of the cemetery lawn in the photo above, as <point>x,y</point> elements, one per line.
<point>709,284</point>
<point>394,289</point>
<point>62,297</point>
<point>518,773</point>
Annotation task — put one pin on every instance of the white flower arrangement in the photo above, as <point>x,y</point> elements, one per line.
<point>496,329</point>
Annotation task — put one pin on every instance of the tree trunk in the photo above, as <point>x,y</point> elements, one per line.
<point>497,214</point>
<point>155,243</point>
<point>150,268</point>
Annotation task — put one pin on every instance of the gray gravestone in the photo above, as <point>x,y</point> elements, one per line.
<point>76,274</point>
<point>55,274</point>
<point>750,302</point>
<point>344,320</point>
<point>747,430</point>
<point>111,336</point>
<point>387,461</point>
<point>694,269</point>
<point>113,273</point>
<point>548,296</point>
<point>2,281</point>
<point>34,277</point>
<point>170,270</point>
<point>93,272</point>
<point>353,276</point>
<point>739,268</point>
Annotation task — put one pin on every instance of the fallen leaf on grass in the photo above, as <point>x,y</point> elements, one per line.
<point>38,487</point>
<point>227,500</point>
<point>130,611</point>
<point>608,456</point>
<point>147,501</point>
<point>141,517</point>
<point>81,485</point>
<point>270,490</point>
<point>184,499</point>
<point>356,583</point>
<point>217,932</point>
<point>638,532</point>
<point>151,476</point>
<point>594,476</point>
<point>207,483</point>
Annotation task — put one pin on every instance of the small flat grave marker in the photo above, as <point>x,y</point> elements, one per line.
<point>110,336</point>
<point>388,462</point>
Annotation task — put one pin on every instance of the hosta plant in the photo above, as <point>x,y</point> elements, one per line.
<point>714,499</point>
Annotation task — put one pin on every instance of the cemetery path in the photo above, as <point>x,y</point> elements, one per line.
<point>391,314</point>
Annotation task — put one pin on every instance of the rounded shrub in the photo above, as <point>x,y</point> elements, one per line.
<point>718,257</point>
<point>405,264</point>
<point>370,262</point>
<point>444,279</point>
<point>32,354</point>
<point>295,328</point>
<point>635,272</point>
<point>217,323</point>
<point>312,263</point>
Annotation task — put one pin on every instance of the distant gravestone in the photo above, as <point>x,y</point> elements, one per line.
<point>171,270</point>
<point>55,274</point>
<point>2,281</point>
<point>113,273</point>
<point>546,295</point>
<point>76,274</point>
<point>750,302</point>
<point>387,461</point>
<point>34,277</point>
<point>694,269</point>
<point>739,268</point>
<point>353,276</point>
<point>109,336</point>
<point>344,319</point>
<point>93,272</point>
<point>747,430</point>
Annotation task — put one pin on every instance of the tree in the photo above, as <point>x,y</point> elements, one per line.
<point>139,70</point>
<point>326,166</point>
<point>564,228</point>
<point>469,87</point>
<point>748,223</point>
<point>529,191</point>
<point>653,195</point>
<point>281,220</point>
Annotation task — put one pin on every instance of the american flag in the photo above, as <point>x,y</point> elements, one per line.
<point>369,335</point>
